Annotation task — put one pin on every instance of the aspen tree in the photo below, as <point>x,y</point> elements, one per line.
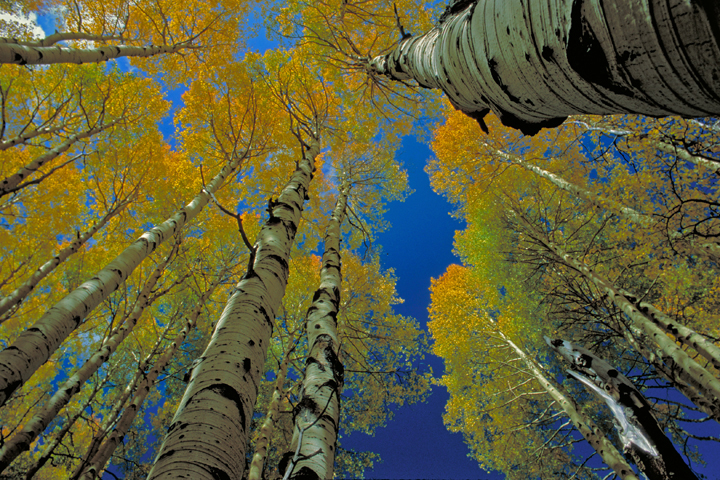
<point>101,457</point>
<point>456,312</point>
<point>13,299</point>
<point>208,434</point>
<point>534,63</point>
<point>37,424</point>
<point>643,438</point>
<point>312,451</point>
<point>643,315</point>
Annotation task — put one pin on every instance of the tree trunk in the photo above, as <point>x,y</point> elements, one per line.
<point>644,439</point>
<point>648,325</point>
<point>21,441</point>
<point>208,436</point>
<point>119,402</point>
<point>582,422</point>
<point>672,372</point>
<point>534,62</point>
<point>49,447</point>
<point>266,429</point>
<point>9,184</point>
<point>35,345</point>
<point>27,55</point>
<point>24,137</point>
<point>98,461</point>
<point>19,294</point>
<point>317,415</point>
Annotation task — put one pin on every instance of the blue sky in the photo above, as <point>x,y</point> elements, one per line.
<point>416,444</point>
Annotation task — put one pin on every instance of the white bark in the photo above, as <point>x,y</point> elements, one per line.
<point>9,184</point>
<point>19,294</point>
<point>317,415</point>
<point>35,345</point>
<point>28,55</point>
<point>208,436</point>
<point>641,434</point>
<point>21,441</point>
<point>98,461</point>
<point>582,422</point>
<point>682,334</point>
<point>24,137</point>
<point>268,426</point>
<point>637,314</point>
<point>628,213</point>
<point>534,62</point>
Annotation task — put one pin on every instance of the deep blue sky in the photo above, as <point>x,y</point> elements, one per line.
<point>416,444</point>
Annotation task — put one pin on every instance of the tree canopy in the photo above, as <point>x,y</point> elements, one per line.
<point>190,273</point>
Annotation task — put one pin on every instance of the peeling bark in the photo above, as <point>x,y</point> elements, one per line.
<point>20,442</point>
<point>30,55</point>
<point>208,436</point>
<point>582,422</point>
<point>647,324</point>
<point>317,415</point>
<point>105,451</point>
<point>534,62</point>
<point>35,345</point>
<point>644,439</point>
<point>19,294</point>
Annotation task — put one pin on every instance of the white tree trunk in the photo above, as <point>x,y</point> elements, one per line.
<point>637,313</point>
<point>21,441</point>
<point>19,294</point>
<point>208,436</point>
<point>98,461</point>
<point>35,345</point>
<point>317,415</point>
<point>28,55</point>
<point>9,184</point>
<point>534,62</point>
<point>268,426</point>
<point>24,137</point>
<point>582,422</point>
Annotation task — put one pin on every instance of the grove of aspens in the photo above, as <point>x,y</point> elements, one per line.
<point>191,279</point>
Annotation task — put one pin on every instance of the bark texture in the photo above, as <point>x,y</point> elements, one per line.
<point>317,414</point>
<point>594,436</point>
<point>208,436</point>
<point>637,312</point>
<point>20,442</point>
<point>266,429</point>
<point>31,55</point>
<point>534,62</point>
<point>105,451</point>
<point>19,294</point>
<point>643,437</point>
<point>35,345</point>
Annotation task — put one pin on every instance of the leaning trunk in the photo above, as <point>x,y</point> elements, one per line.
<point>19,294</point>
<point>29,55</point>
<point>534,62</point>
<point>647,322</point>
<point>35,345</point>
<point>582,422</point>
<point>98,461</point>
<point>208,436</point>
<point>642,436</point>
<point>21,441</point>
